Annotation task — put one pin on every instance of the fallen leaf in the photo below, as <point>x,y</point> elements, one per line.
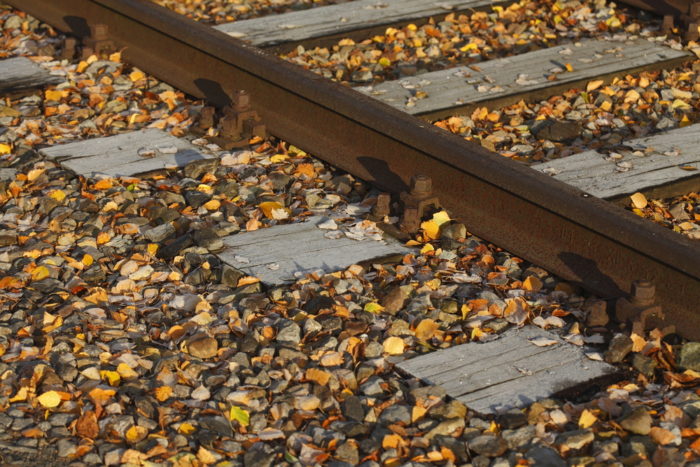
<point>639,201</point>
<point>136,433</point>
<point>239,415</point>
<point>541,341</point>
<point>394,345</point>
<point>86,426</point>
<point>593,85</point>
<point>49,399</point>
<point>426,329</point>
<point>587,419</point>
<point>319,376</point>
<point>163,393</point>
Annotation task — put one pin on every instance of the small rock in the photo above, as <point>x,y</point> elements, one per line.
<point>645,365</point>
<point>597,314</point>
<point>447,428</point>
<point>488,445</point>
<point>290,332</point>
<point>353,409</point>
<point>620,346</point>
<point>397,413</point>
<point>576,439</point>
<point>556,130</point>
<point>196,169</point>
<point>348,452</point>
<point>542,455</point>
<point>307,403</point>
<point>690,356</point>
<point>160,233</point>
<point>202,346</point>
<point>638,421</point>
<point>395,300</point>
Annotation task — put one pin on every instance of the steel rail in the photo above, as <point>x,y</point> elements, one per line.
<point>581,238</point>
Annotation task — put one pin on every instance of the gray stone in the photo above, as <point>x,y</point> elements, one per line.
<point>690,356</point>
<point>576,439</point>
<point>353,409</point>
<point>66,448</point>
<point>543,456</point>
<point>488,445</point>
<point>645,365</point>
<point>556,130</point>
<point>638,421</point>
<point>159,233</point>
<point>348,452</point>
<point>289,332</point>
<point>620,346</point>
<point>447,428</point>
<point>395,299</point>
<point>597,313</point>
<point>397,413</point>
<point>520,438</point>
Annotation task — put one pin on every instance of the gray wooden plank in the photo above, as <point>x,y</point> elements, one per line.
<point>508,372</point>
<point>119,155</point>
<point>654,161</point>
<point>20,73</point>
<point>295,249</point>
<point>521,76</point>
<point>334,20</point>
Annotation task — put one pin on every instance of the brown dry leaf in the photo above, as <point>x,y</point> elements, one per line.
<point>392,441</point>
<point>516,310</point>
<point>332,359</point>
<point>205,456</point>
<point>86,426</point>
<point>426,329</point>
<point>593,85</point>
<point>638,342</point>
<point>417,413</point>
<point>319,376</point>
<point>394,345</point>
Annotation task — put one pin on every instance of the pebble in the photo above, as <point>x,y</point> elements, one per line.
<point>620,346</point>
<point>488,445</point>
<point>690,356</point>
<point>638,421</point>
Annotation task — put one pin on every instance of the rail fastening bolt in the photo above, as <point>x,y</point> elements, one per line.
<point>643,292</point>
<point>421,186</point>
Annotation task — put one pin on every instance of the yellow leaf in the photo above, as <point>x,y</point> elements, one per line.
<point>532,284</point>
<point>384,62</point>
<point>394,345</point>
<point>417,413</point>
<point>112,377</point>
<point>569,68</point>
<point>205,456</point>
<point>587,419</point>
<point>468,47</point>
<point>247,280</point>
<point>431,229</point>
<point>162,393</point>
<point>49,399</point>
<point>82,66</point>
<point>685,121</point>
<point>87,260</point>
<point>268,206</point>
<point>392,441</point>
<point>126,372</point>
<point>426,329</point>
<point>239,415</point>
<point>186,428</point>
<point>136,433</point>
<point>53,95</point>
<point>441,217</point>
<point>427,248</point>
<point>679,104</point>
<point>103,237</point>
<point>639,200</point>
<point>593,85</point>
<point>58,195</point>
<point>278,158</point>
<point>136,75</point>
<point>477,333</point>
<point>33,174</point>
<point>374,307</point>
<point>21,395</point>
<point>212,205</point>
<point>152,248</point>
<point>104,184</point>
<point>40,273</point>
<point>606,105</point>
<point>6,149</point>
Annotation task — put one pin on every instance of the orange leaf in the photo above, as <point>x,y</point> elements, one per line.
<point>86,426</point>
<point>162,393</point>
<point>426,329</point>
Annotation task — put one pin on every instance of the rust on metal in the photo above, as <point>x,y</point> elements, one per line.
<point>98,42</point>
<point>640,306</point>
<point>416,201</point>
<point>239,122</point>
<point>382,207</point>
<point>581,238</point>
<point>683,14</point>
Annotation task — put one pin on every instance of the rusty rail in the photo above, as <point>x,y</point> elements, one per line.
<point>581,238</point>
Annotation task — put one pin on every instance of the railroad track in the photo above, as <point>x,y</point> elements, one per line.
<point>577,236</point>
<point>260,352</point>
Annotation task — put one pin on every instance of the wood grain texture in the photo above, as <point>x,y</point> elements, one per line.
<point>20,73</point>
<point>118,156</point>
<point>300,248</point>
<point>664,155</point>
<point>521,76</point>
<point>508,372</point>
<point>341,19</point>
